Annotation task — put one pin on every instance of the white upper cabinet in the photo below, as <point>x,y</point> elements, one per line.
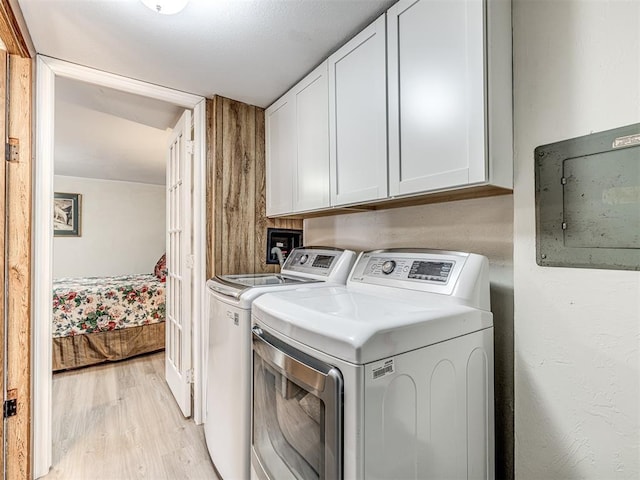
<point>439,101</point>
<point>280,155</point>
<point>358,117</point>
<point>311,182</point>
<point>418,102</point>
<point>297,147</point>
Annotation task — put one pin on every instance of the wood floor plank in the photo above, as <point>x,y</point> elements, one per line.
<point>119,422</point>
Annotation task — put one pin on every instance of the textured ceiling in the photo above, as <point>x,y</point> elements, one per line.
<point>104,133</point>
<point>248,50</point>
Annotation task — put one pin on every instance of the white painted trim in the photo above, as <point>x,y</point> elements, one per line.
<point>47,69</point>
<point>199,347</point>
<point>43,268</point>
<point>117,82</point>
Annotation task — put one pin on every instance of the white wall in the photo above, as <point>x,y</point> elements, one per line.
<point>576,71</point>
<point>122,226</point>
<point>482,226</point>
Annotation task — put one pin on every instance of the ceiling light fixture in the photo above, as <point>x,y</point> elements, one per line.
<point>166,7</point>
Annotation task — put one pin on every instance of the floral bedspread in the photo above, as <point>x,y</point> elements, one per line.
<point>98,304</point>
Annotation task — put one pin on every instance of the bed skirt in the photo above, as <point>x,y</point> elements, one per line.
<point>93,348</point>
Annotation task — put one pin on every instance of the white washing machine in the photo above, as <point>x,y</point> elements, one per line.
<point>388,377</point>
<point>228,399</point>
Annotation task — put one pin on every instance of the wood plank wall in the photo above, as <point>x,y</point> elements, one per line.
<point>236,220</point>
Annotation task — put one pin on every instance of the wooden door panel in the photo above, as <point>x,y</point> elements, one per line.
<point>18,268</point>
<point>3,212</point>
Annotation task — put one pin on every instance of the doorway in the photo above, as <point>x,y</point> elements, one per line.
<point>47,71</point>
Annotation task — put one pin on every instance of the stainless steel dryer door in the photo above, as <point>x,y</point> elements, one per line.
<point>297,413</point>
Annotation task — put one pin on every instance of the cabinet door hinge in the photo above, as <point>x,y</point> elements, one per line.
<point>189,146</point>
<point>189,375</point>
<point>10,407</point>
<point>12,150</point>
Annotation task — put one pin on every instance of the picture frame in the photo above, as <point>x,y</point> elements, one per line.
<point>66,214</point>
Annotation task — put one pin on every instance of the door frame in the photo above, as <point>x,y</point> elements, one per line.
<point>47,70</point>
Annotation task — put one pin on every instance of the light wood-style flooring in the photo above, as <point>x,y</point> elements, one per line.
<point>119,421</point>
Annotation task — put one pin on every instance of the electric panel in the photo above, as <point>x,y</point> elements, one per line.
<point>588,201</point>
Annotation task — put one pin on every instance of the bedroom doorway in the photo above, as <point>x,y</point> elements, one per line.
<point>48,71</point>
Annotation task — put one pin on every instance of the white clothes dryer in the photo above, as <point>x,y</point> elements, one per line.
<point>388,377</point>
<point>227,423</point>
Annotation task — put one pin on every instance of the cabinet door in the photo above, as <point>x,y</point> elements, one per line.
<point>280,133</point>
<point>436,95</point>
<point>311,183</point>
<point>358,117</point>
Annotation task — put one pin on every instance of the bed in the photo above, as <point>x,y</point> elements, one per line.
<point>100,319</point>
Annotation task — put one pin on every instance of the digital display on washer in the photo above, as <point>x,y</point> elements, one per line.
<point>323,261</point>
<point>432,271</point>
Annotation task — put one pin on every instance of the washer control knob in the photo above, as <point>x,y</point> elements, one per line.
<point>303,259</point>
<point>388,267</point>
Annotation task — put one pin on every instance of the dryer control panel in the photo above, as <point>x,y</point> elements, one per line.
<point>430,270</point>
<point>433,271</point>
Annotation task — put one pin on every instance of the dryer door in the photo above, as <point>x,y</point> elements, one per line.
<point>297,413</point>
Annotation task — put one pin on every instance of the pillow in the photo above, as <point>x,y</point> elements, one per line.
<point>160,270</point>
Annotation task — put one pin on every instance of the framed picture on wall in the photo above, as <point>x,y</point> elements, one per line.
<point>66,214</point>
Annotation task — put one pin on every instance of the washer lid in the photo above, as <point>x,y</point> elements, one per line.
<point>305,265</point>
<point>250,286</point>
<point>262,280</point>
<point>361,328</point>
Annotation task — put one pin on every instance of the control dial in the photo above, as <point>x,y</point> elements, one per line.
<point>388,267</point>
<point>304,259</point>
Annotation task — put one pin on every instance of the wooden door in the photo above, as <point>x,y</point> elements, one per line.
<point>16,90</point>
<point>3,192</point>
<point>17,268</point>
<point>179,264</point>
<point>436,95</point>
<point>358,117</point>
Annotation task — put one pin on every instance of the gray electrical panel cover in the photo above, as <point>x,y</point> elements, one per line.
<point>588,201</point>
